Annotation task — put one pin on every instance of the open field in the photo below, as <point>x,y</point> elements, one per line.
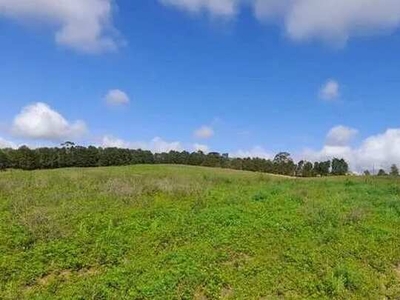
<point>173,232</point>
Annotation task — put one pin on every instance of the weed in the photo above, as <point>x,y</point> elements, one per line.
<point>173,232</point>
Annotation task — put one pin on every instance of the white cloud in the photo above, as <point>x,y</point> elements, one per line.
<point>86,25</point>
<point>200,147</point>
<point>221,8</point>
<point>332,21</point>
<point>204,132</point>
<point>256,152</point>
<point>329,152</point>
<point>340,136</point>
<point>375,152</point>
<point>6,144</point>
<point>156,145</point>
<point>381,150</point>
<point>330,90</point>
<point>39,121</point>
<point>117,97</point>
<point>109,141</point>
<point>83,25</point>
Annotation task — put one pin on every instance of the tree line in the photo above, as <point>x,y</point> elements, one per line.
<point>71,155</point>
<point>394,171</point>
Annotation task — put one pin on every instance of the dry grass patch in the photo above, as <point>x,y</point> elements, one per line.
<point>397,271</point>
<point>66,275</point>
<point>227,292</point>
<point>138,186</point>
<point>199,294</point>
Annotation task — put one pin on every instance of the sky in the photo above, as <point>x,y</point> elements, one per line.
<point>319,79</point>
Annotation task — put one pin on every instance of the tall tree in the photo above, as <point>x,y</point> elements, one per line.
<point>284,164</point>
<point>339,167</point>
<point>394,170</point>
<point>27,158</point>
<point>47,158</point>
<point>308,169</point>
<point>213,159</point>
<point>382,172</point>
<point>324,168</point>
<point>300,168</point>
<point>4,161</point>
<point>236,164</point>
<point>71,155</point>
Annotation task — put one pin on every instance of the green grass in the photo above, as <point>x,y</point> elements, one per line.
<point>173,232</point>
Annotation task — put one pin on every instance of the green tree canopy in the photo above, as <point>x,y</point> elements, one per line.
<point>4,161</point>
<point>71,155</point>
<point>394,170</point>
<point>382,172</point>
<point>339,167</point>
<point>367,173</point>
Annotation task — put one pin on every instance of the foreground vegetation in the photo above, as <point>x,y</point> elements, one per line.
<point>174,232</point>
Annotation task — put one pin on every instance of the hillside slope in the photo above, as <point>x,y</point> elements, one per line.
<point>175,232</point>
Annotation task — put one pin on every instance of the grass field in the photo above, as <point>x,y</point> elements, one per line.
<point>174,232</point>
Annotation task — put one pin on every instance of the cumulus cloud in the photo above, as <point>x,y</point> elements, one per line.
<point>332,21</point>
<point>256,152</point>
<point>117,97</point>
<point>382,150</point>
<point>6,144</point>
<point>109,141</point>
<point>39,121</point>
<point>221,8</point>
<point>330,90</point>
<point>86,25</point>
<point>340,136</point>
<point>83,25</point>
<point>202,148</point>
<point>156,145</point>
<point>375,152</point>
<point>204,132</point>
<point>329,152</point>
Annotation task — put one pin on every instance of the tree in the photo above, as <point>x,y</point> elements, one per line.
<point>213,159</point>
<point>300,168</point>
<point>339,167</point>
<point>4,161</point>
<point>196,158</point>
<point>394,170</point>
<point>308,169</point>
<point>322,168</point>
<point>367,173</point>
<point>26,159</point>
<point>284,164</point>
<point>236,164</point>
<point>325,166</point>
<point>71,155</point>
<point>282,158</point>
<point>47,158</point>
<point>68,145</point>
<point>382,172</point>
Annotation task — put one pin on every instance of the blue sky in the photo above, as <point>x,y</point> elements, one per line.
<point>246,77</point>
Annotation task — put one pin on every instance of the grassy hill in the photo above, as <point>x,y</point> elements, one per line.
<point>174,232</point>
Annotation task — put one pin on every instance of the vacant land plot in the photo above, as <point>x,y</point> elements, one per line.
<point>172,232</point>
